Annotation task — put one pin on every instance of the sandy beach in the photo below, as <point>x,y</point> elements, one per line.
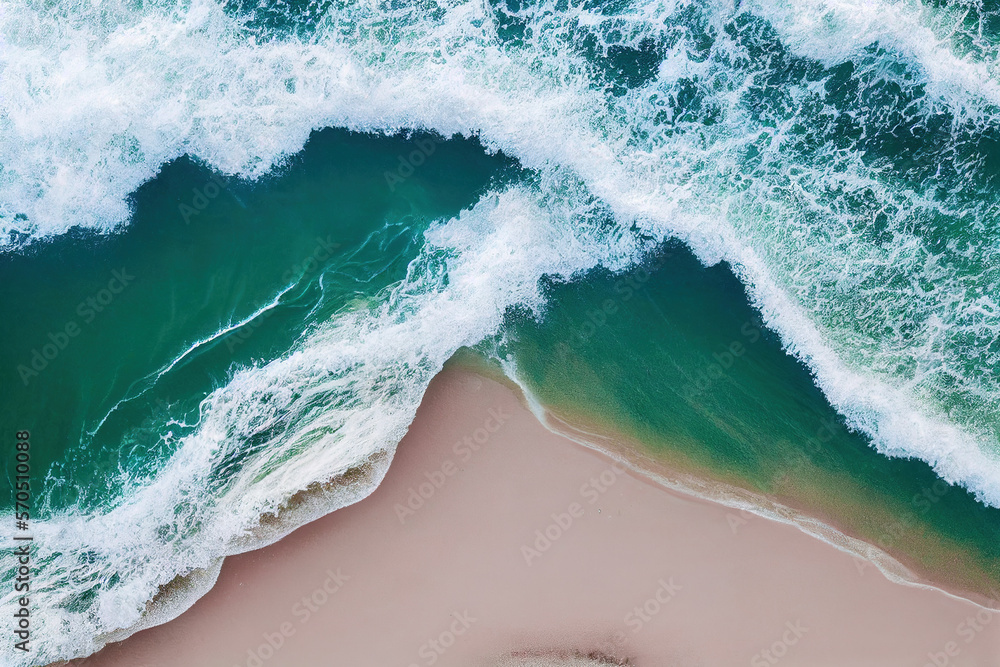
<point>493,541</point>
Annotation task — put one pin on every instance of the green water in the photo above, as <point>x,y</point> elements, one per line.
<point>330,226</point>
<point>213,303</point>
<point>671,355</point>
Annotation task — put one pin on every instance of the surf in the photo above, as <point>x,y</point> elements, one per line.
<point>634,123</point>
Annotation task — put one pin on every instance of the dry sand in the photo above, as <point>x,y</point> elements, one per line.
<point>633,572</point>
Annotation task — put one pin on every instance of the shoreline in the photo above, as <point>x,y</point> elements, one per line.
<point>690,480</point>
<point>701,487</point>
<point>642,503</point>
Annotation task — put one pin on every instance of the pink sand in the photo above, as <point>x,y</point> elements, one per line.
<point>635,571</point>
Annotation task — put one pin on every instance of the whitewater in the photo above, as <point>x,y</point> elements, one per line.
<point>770,164</point>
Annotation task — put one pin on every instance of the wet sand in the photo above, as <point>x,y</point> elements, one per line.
<point>493,541</point>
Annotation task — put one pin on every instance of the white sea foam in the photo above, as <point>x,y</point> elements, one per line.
<point>837,31</point>
<point>97,97</point>
<point>341,401</point>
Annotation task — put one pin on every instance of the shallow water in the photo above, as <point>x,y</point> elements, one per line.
<point>833,164</point>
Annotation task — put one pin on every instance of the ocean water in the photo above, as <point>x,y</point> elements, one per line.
<point>671,355</point>
<point>239,239</point>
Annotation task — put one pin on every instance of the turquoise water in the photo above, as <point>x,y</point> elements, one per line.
<point>670,355</point>
<point>239,240</point>
<point>205,294</point>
